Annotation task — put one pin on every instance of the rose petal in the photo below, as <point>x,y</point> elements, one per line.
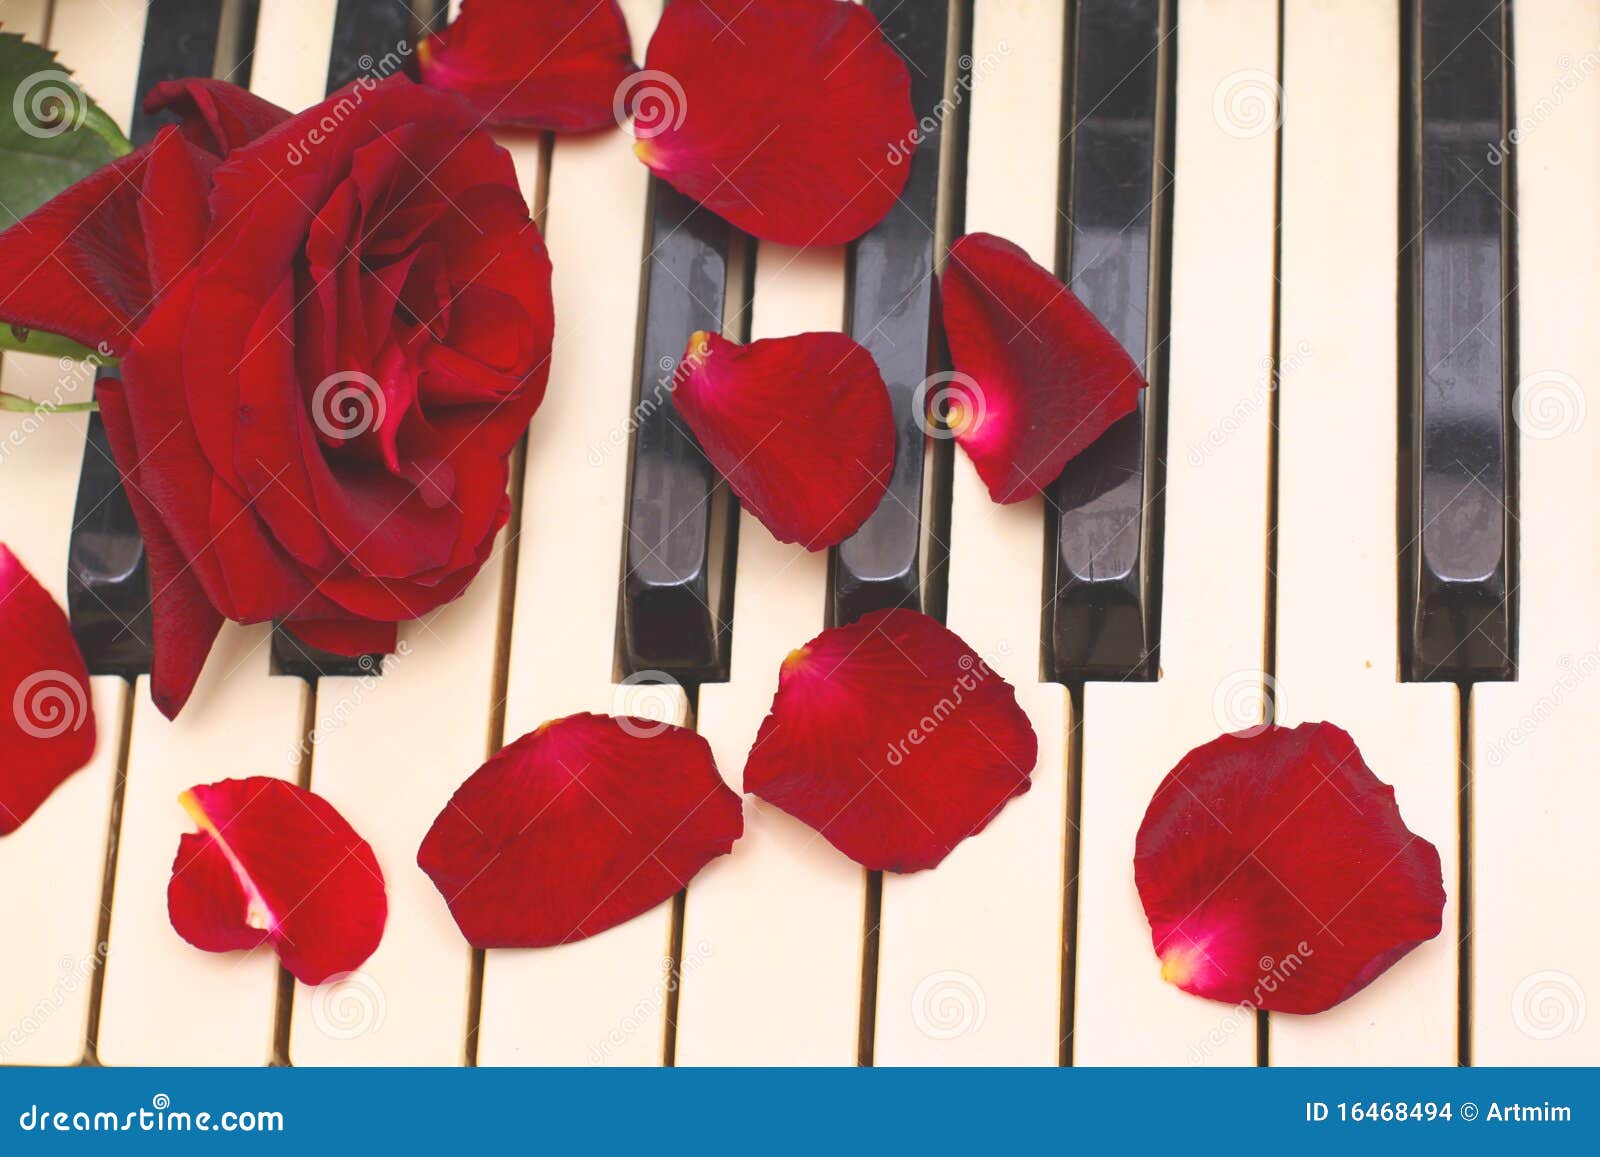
<point>273,863</point>
<point>893,739</point>
<point>541,64</point>
<point>184,621</point>
<point>782,117</point>
<point>215,115</point>
<point>800,426</point>
<point>576,827</point>
<point>46,713</point>
<point>1045,378</point>
<point>1279,854</point>
<point>76,265</point>
<point>350,637</point>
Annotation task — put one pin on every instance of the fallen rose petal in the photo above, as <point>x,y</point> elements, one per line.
<point>1275,869</point>
<point>541,64</point>
<point>46,714</point>
<point>275,864</point>
<point>893,739</point>
<point>1045,378</point>
<point>800,427</point>
<point>790,118</point>
<point>576,827</point>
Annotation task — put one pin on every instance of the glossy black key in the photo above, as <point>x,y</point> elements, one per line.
<point>108,583</point>
<point>1458,310</point>
<point>891,313</point>
<point>371,39</point>
<point>1101,621</point>
<point>676,592</point>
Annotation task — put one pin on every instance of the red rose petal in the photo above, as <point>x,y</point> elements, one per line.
<point>350,637</point>
<point>800,426</point>
<point>541,64</point>
<point>46,713</point>
<point>76,265</point>
<point>577,827</point>
<point>1046,378</point>
<point>215,115</point>
<point>893,739</point>
<point>273,863</point>
<point>184,621</point>
<point>1280,855</point>
<point>782,117</point>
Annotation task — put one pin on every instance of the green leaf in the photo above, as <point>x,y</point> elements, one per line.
<point>52,134</point>
<point>50,345</point>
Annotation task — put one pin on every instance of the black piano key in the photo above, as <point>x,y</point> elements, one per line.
<point>1101,619</point>
<point>372,39</point>
<point>108,583</point>
<point>1457,359</point>
<point>891,313</point>
<point>676,591</point>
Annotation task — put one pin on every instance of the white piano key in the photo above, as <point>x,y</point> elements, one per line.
<point>47,974</point>
<point>601,1000</point>
<point>1214,568</point>
<point>1337,616</point>
<point>166,1002</point>
<point>290,64</point>
<point>1535,944</point>
<point>778,924</point>
<point>970,953</point>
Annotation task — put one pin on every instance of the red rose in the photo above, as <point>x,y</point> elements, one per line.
<point>334,327</point>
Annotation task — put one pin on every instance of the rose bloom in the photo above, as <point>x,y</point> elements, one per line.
<point>334,327</point>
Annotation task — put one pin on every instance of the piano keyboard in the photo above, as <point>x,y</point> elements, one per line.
<point>1348,251</point>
